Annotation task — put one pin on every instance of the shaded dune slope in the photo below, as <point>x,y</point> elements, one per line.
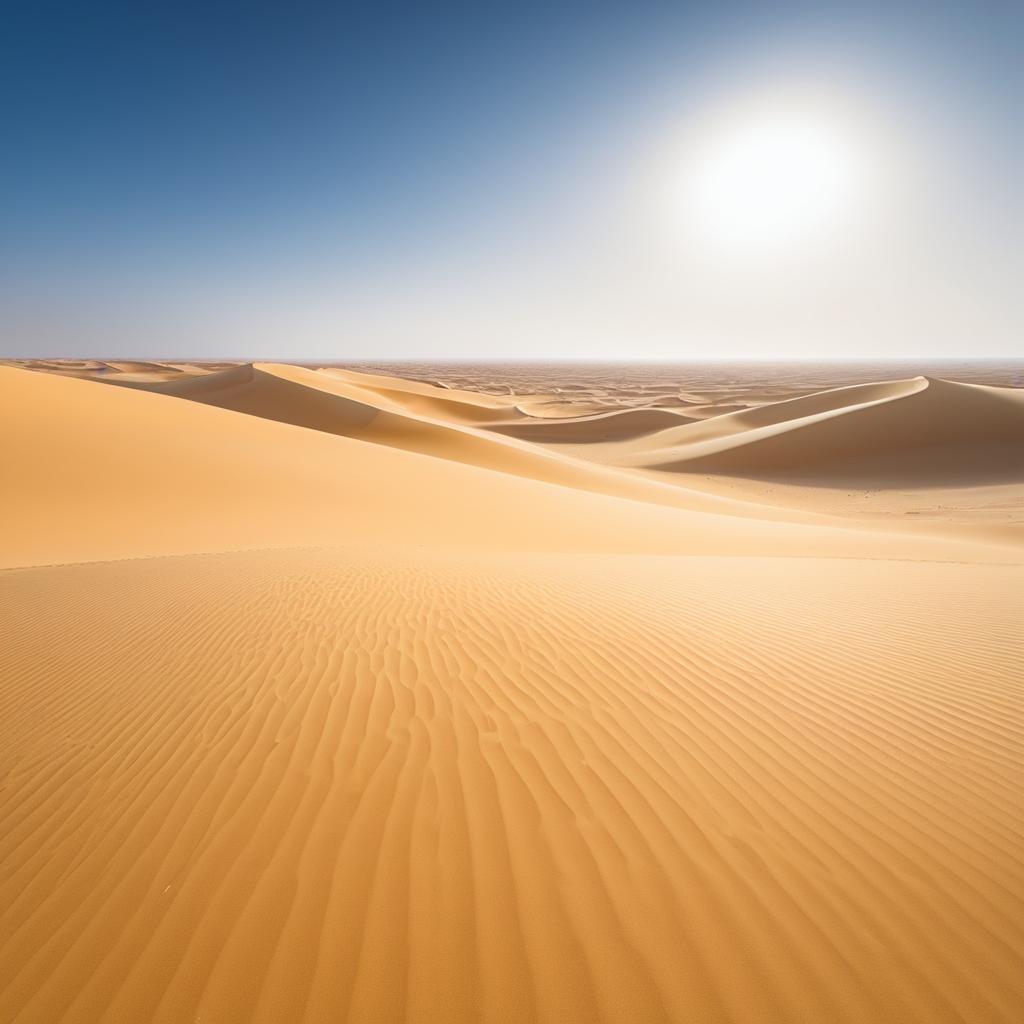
<point>252,390</point>
<point>950,430</point>
<point>740,423</point>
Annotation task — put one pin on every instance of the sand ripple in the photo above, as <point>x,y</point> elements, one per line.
<point>330,784</point>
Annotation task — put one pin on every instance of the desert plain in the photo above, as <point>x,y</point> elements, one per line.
<point>511,694</point>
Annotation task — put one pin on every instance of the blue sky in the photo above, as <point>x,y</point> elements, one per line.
<point>482,181</point>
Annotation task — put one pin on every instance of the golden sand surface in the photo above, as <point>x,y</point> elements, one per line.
<point>511,694</point>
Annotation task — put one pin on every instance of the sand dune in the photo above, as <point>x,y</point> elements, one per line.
<point>831,429</point>
<point>151,474</point>
<point>323,700</point>
<point>446,430</point>
<point>118,370</point>
<point>703,411</point>
<point>142,368</point>
<point>740,422</point>
<point>348,407</point>
<point>554,409</point>
<point>605,426</point>
<point>414,397</point>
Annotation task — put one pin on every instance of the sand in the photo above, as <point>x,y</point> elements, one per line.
<point>330,696</point>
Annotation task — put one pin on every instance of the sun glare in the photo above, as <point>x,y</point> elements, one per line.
<point>767,180</point>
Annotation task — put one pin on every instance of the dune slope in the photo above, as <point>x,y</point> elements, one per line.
<point>151,474</point>
<point>104,472</point>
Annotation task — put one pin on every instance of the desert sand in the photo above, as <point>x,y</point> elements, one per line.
<point>508,696</point>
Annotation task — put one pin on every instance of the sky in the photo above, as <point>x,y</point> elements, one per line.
<point>554,180</point>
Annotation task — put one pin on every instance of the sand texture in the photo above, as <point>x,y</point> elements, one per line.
<point>335,696</point>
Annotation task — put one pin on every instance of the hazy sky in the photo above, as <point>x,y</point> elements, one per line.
<point>576,180</point>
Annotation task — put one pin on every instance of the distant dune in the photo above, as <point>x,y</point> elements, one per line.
<point>333,696</point>
<point>604,426</point>
<point>826,431</point>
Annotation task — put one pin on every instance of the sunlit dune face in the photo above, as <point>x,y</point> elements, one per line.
<point>767,180</point>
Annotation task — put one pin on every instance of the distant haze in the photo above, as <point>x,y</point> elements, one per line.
<point>651,182</point>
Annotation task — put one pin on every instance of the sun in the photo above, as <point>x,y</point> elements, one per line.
<point>767,180</point>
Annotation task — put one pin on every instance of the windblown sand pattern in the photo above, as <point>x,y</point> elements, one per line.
<point>328,696</point>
